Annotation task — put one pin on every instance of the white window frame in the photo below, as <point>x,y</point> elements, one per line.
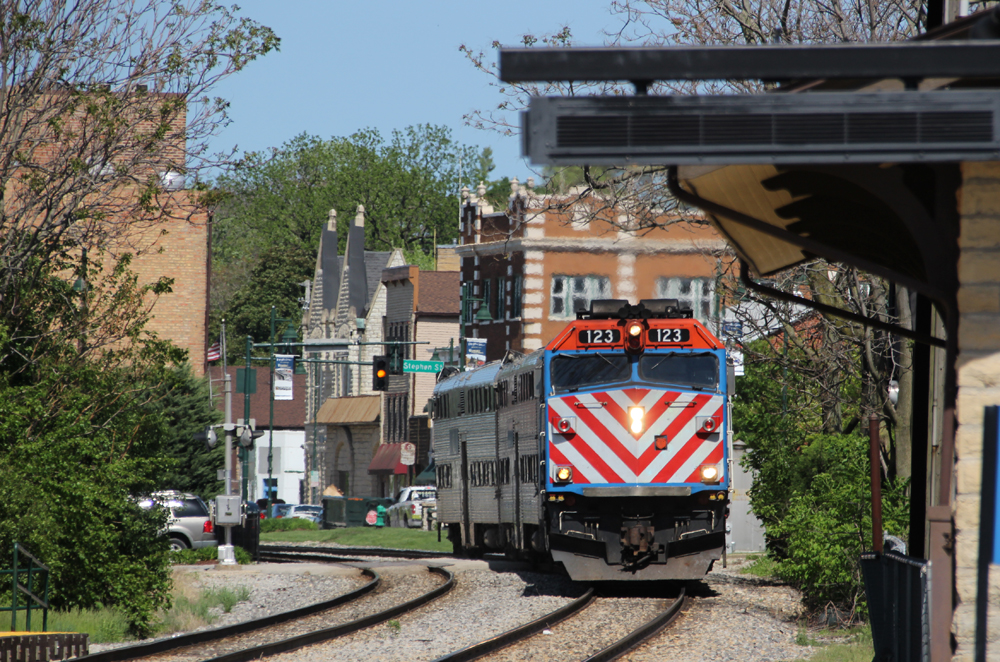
<point>699,295</point>
<point>583,289</point>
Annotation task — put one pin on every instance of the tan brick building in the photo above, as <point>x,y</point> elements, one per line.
<point>978,381</point>
<point>179,247</point>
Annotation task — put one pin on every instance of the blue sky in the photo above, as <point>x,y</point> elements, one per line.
<point>344,66</point>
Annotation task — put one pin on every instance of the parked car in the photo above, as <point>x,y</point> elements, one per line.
<point>303,511</point>
<point>408,510</point>
<point>190,524</point>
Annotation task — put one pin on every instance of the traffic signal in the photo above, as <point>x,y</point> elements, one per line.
<point>380,373</point>
<point>247,434</point>
<point>208,437</point>
<point>395,359</point>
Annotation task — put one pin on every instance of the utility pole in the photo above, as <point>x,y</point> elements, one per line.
<point>245,452</point>
<point>270,425</point>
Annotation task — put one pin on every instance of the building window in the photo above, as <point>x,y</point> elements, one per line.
<point>516,296</point>
<point>695,293</point>
<point>500,298</point>
<point>396,407</point>
<point>487,298</point>
<point>573,293</point>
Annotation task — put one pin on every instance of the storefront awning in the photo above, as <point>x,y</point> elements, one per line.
<point>345,411</point>
<point>386,460</point>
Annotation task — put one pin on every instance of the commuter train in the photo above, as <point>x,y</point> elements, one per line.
<point>608,451</point>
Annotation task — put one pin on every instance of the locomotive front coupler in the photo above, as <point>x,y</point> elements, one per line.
<point>638,546</point>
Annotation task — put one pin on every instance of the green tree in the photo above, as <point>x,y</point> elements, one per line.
<point>408,186</point>
<point>811,489</point>
<point>184,405</point>
<point>273,281</point>
<point>104,106</point>
<point>79,436</point>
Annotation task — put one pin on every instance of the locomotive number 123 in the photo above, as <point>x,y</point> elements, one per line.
<point>600,336</point>
<point>669,335</point>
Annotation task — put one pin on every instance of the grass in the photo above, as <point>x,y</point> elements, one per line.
<point>272,524</point>
<point>193,556</point>
<point>365,536</point>
<point>839,645</point>
<point>760,566</point>
<point>103,625</point>
<point>193,607</point>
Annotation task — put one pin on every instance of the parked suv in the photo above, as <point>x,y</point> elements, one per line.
<point>408,511</point>
<point>190,524</point>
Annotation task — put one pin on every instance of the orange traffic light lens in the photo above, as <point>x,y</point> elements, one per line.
<point>380,373</point>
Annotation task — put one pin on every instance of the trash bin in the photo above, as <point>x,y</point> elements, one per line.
<point>246,535</point>
<point>349,511</point>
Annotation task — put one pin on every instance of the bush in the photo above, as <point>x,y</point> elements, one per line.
<point>272,524</point>
<point>828,523</point>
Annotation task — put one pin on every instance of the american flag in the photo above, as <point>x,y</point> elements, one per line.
<point>214,352</point>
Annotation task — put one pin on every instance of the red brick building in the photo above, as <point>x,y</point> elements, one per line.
<point>533,265</point>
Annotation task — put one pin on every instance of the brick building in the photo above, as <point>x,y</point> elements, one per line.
<point>421,306</point>
<point>167,234</point>
<point>179,246</point>
<point>533,266</point>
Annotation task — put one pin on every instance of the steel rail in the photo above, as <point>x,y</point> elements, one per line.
<point>640,634</point>
<point>285,557</point>
<point>519,633</point>
<point>360,551</point>
<point>326,634</point>
<point>181,641</point>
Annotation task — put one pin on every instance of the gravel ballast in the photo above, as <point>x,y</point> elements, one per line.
<point>729,616</point>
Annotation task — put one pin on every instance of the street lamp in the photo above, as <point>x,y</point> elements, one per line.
<point>482,315</point>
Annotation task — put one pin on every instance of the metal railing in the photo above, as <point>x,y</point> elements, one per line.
<point>35,572</point>
<point>899,598</point>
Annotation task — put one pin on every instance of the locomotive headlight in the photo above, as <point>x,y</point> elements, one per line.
<point>634,329</point>
<point>636,414</point>
<point>564,474</point>
<point>710,474</point>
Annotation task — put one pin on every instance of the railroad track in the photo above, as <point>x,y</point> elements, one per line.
<point>218,637</point>
<point>296,553</point>
<point>521,634</point>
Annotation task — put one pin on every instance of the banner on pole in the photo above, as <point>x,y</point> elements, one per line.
<point>284,366</point>
<point>475,352</point>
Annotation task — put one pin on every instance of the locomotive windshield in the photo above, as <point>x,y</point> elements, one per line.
<point>571,371</point>
<point>681,369</point>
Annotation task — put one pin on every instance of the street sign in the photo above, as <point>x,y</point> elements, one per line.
<point>241,380</point>
<point>423,366</point>
<point>408,453</point>
<point>732,329</point>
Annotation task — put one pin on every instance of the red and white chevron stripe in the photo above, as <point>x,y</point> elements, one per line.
<point>601,447</point>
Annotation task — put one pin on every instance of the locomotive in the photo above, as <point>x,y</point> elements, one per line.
<point>608,451</point>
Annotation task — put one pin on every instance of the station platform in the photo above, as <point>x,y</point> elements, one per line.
<point>41,646</point>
